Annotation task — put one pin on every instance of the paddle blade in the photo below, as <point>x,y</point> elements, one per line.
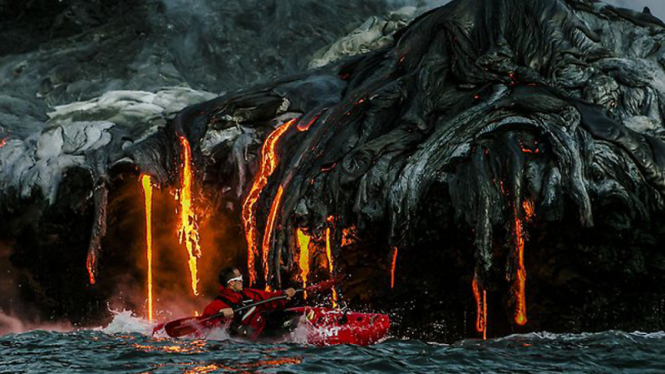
<point>185,326</point>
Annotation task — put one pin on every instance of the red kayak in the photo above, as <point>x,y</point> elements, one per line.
<point>326,326</point>
<point>315,325</point>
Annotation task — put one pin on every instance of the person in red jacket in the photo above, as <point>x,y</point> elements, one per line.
<point>232,295</point>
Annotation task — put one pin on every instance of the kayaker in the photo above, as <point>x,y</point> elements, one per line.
<point>232,295</point>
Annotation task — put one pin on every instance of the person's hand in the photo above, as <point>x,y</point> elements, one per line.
<point>289,293</point>
<point>228,312</point>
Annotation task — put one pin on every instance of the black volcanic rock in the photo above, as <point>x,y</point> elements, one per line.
<point>486,124</point>
<point>445,145</point>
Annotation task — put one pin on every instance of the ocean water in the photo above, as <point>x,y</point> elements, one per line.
<point>126,347</point>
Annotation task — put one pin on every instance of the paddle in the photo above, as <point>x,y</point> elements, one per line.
<point>189,325</point>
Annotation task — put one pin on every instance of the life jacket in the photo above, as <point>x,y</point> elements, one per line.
<point>248,322</point>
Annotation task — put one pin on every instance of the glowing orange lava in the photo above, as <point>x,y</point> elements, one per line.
<point>270,226</point>
<point>188,231</point>
<point>485,314</point>
<point>306,126</point>
<point>266,168</point>
<point>331,266</point>
<point>147,193</point>
<point>3,141</point>
<point>349,235</point>
<point>392,268</point>
<point>303,246</point>
<point>89,264</point>
<point>529,210</point>
<point>520,281</point>
<point>481,312</point>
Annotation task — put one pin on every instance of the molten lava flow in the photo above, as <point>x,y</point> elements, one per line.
<point>481,312</point>
<point>3,141</point>
<point>529,210</point>
<point>306,126</point>
<point>147,193</point>
<point>266,168</point>
<point>349,235</point>
<point>392,268</point>
<point>485,314</point>
<point>520,281</point>
<point>303,246</point>
<point>270,225</point>
<point>188,231</point>
<point>331,266</point>
<point>89,264</point>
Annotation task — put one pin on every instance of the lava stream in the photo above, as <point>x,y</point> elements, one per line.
<point>331,266</point>
<point>188,230</point>
<point>269,229</point>
<point>147,193</point>
<point>392,268</point>
<point>520,281</point>
<point>266,168</point>
<point>303,246</point>
<point>481,312</point>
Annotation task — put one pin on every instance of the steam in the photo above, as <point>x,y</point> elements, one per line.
<point>10,324</point>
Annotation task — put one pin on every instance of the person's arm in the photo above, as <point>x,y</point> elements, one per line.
<point>217,306</point>
<point>259,295</point>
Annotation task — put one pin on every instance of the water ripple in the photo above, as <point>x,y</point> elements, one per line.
<point>88,351</point>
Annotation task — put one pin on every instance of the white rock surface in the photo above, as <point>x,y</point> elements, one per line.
<point>39,161</point>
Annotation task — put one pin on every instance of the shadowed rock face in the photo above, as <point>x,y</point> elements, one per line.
<point>513,145</point>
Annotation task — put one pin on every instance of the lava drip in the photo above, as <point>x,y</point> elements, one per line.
<point>481,305</point>
<point>147,193</point>
<point>266,168</point>
<point>270,226</point>
<point>519,284</point>
<point>331,265</point>
<point>303,262</point>
<point>392,268</point>
<point>188,230</point>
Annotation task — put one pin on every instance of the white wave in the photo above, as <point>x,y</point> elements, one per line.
<point>545,335</point>
<point>126,322</point>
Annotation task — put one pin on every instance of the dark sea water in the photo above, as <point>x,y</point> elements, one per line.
<point>123,347</point>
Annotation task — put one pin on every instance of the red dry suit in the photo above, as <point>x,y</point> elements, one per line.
<point>247,322</point>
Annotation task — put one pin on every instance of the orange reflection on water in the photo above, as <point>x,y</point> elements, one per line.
<point>194,347</point>
<point>241,367</point>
